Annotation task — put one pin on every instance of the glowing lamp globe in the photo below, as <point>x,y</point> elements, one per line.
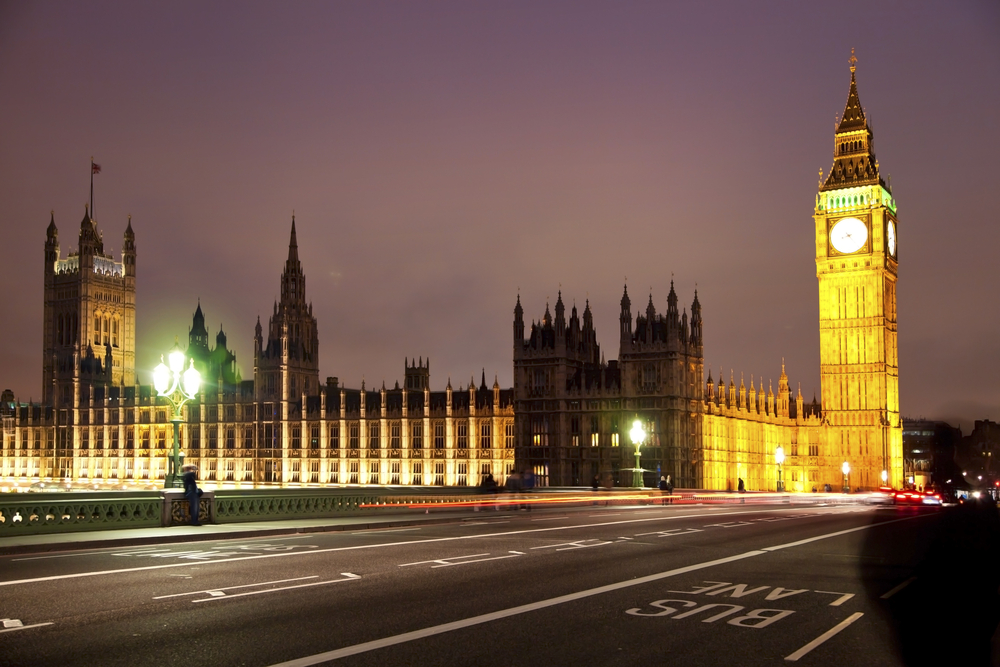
<point>192,380</point>
<point>779,455</point>
<point>176,358</point>
<point>161,378</point>
<point>846,468</point>
<point>638,433</point>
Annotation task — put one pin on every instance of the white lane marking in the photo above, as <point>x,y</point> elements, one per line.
<point>96,573</point>
<point>608,514</point>
<point>799,543</point>
<point>222,596</point>
<point>478,560</point>
<point>442,560</point>
<point>672,532</point>
<point>551,518</point>
<point>24,627</point>
<point>384,530</point>
<point>462,560</point>
<point>823,637</point>
<point>228,588</point>
<point>504,613</point>
<point>889,594</point>
<point>844,597</point>
<point>579,544</point>
<point>84,553</point>
<point>514,611</point>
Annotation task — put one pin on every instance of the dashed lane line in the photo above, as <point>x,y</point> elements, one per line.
<point>579,595</point>
<point>97,573</point>
<point>823,637</point>
<point>890,593</point>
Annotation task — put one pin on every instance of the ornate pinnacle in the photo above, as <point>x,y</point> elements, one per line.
<point>853,60</point>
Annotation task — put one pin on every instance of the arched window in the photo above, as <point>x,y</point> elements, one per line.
<point>97,329</point>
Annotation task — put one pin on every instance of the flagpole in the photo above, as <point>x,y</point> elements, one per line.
<point>91,186</point>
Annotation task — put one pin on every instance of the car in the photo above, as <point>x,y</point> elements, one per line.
<point>913,497</point>
<point>884,496</point>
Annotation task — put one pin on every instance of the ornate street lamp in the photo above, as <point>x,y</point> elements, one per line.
<point>638,434</point>
<point>846,469</point>
<point>885,477</point>
<point>178,386</point>
<point>779,458</point>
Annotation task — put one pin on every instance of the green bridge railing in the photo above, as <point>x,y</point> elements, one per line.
<point>33,513</point>
<point>37,513</point>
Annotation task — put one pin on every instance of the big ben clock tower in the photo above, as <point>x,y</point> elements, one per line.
<point>856,264</point>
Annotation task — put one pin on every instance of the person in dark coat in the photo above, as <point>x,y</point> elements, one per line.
<point>191,491</point>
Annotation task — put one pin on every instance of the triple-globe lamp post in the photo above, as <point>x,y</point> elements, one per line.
<point>846,469</point>
<point>638,434</point>
<point>178,386</point>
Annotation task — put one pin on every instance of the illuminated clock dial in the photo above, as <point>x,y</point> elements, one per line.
<point>849,235</point>
<point>890,238</point>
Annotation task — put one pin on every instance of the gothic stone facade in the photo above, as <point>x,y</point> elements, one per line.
<point>574,410</point>
<point>97,424</point>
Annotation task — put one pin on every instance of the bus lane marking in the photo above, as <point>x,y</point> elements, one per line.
<point>394,640</point>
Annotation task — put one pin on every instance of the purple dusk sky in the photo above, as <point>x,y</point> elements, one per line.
<point>442,156</point>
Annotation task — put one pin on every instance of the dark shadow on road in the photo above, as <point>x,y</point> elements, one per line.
<point>947,615</point>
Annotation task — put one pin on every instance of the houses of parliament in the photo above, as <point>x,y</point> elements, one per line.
<point>567,416</point>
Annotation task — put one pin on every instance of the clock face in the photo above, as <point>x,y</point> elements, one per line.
<point>849,235</point>
<point>890,238</point>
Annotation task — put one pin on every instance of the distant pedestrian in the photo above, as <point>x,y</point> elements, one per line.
<point>741,487</point>
<point>595,483</point>
<point>191,491</point>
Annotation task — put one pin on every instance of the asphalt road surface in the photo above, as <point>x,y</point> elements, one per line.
<point>683,585</point>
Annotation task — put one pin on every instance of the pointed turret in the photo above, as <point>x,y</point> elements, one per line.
<point>560,316</point>
<point>128,249</point>
<point>854,145</point>
<point>518,324</point>
<point>293,280</point>
<point>696,332</point>
<point>625,319</point>
<point>783,392</point>
<point>51,245</point>
<point>673,317</point>
<point>90,243</point>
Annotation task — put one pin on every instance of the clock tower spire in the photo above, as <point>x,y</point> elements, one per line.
<point>856,265</point>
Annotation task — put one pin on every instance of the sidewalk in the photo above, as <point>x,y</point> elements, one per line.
<point>99,539</point>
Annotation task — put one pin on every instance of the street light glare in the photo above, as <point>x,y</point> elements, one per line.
<point>176,361</point>
<point>638,434</point>
<point>161,378</point>
<point>846,468</point>
<point>192,380</point>
<point>779,455</point>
